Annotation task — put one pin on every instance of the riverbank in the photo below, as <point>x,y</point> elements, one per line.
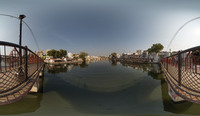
<point>65,62</point>
<point>137,60</point>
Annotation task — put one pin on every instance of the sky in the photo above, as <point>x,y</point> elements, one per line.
<point>100,27</point>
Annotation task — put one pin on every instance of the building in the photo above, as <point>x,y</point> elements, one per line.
<point>55,60</point>
<point>135,55</point>
<point>139,52</point>
<point>124,55</point>
<point>145,54</point>
<point>153,57</point>
<point>70,55</point>
<point>76,55</point>
<point>163,54</point>
<point>40,53</point>
<point>118,55</point>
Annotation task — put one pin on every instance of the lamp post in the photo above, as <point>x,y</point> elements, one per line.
<point>20,36</point>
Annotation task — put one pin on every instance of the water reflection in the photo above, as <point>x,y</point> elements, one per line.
<point>154,70</point>
<point>138,87</point>
<point>100,88</point>
<point>113,62</point>
<point>62,68</point>
<point>50,68</point>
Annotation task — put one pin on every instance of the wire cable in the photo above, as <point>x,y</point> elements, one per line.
<point>27,26</point>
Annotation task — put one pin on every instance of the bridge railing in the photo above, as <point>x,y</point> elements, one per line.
<point>184,70</point>
<point>16,68</point>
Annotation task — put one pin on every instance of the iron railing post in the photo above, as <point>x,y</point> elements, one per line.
<point>179,68</point>
<point>37,62</point>
<point>0,61</point>
<point>167,64</point>
<point>26,62</point>
<point>5,57</point>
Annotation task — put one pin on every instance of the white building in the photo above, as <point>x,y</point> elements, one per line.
<point>118,55</point>
<point>163,54</point>
<point>69,55</point>
<point>154,57</point>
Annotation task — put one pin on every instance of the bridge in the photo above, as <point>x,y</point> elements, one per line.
<point>182,73</point>
<point>18,72</point>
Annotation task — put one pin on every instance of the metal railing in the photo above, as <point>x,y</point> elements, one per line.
<point>182,72</point>
<point>17,71</point>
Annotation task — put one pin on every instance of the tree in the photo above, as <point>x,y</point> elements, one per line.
<point>63,53</point>
<point>113,55</point>
<point>56,53</point>
<point>156,48</point>
<point>83,55</point>
<point>51,53</point>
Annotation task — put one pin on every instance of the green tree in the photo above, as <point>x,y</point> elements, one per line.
<point>83,55</point>
<point>51,53</point>
<point>56,53</point>
<point>113,55</point>
<point>156,48</point>
<point>63,53</point>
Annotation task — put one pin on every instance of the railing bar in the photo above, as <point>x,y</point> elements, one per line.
<point>12,60</point>
<point>178,86</point>
<point>179,69</point>
<point>0,61</point>
<point>26,63</point>
<point>5,57</point>
<point>15,60</point>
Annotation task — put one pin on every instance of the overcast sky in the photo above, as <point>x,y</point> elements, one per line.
<point>103,26</point>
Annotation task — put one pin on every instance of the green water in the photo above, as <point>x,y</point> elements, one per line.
<point>101,89</point>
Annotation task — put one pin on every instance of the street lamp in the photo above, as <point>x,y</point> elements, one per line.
<point>20,17</point>
<point>20,28</point>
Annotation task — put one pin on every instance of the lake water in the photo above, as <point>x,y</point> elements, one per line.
<point>101,89</point>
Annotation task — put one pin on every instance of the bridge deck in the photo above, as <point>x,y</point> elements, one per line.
<point>13,87</point>
<point>190,84</point>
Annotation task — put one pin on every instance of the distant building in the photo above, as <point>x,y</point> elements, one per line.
<point>49,57</point>
<point>163,54</point>
<point>135,55</point>
<point>124,55</point>
<point>174,52</point>
<point>118,55</point>
<point>76,55</point>
<point>55,60</point>
<point>139,52</point>
<point>153,57</point>
<point>40,53</point>
<point>145,54</point>
<point>70,55</point>
<point>130,56</point>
